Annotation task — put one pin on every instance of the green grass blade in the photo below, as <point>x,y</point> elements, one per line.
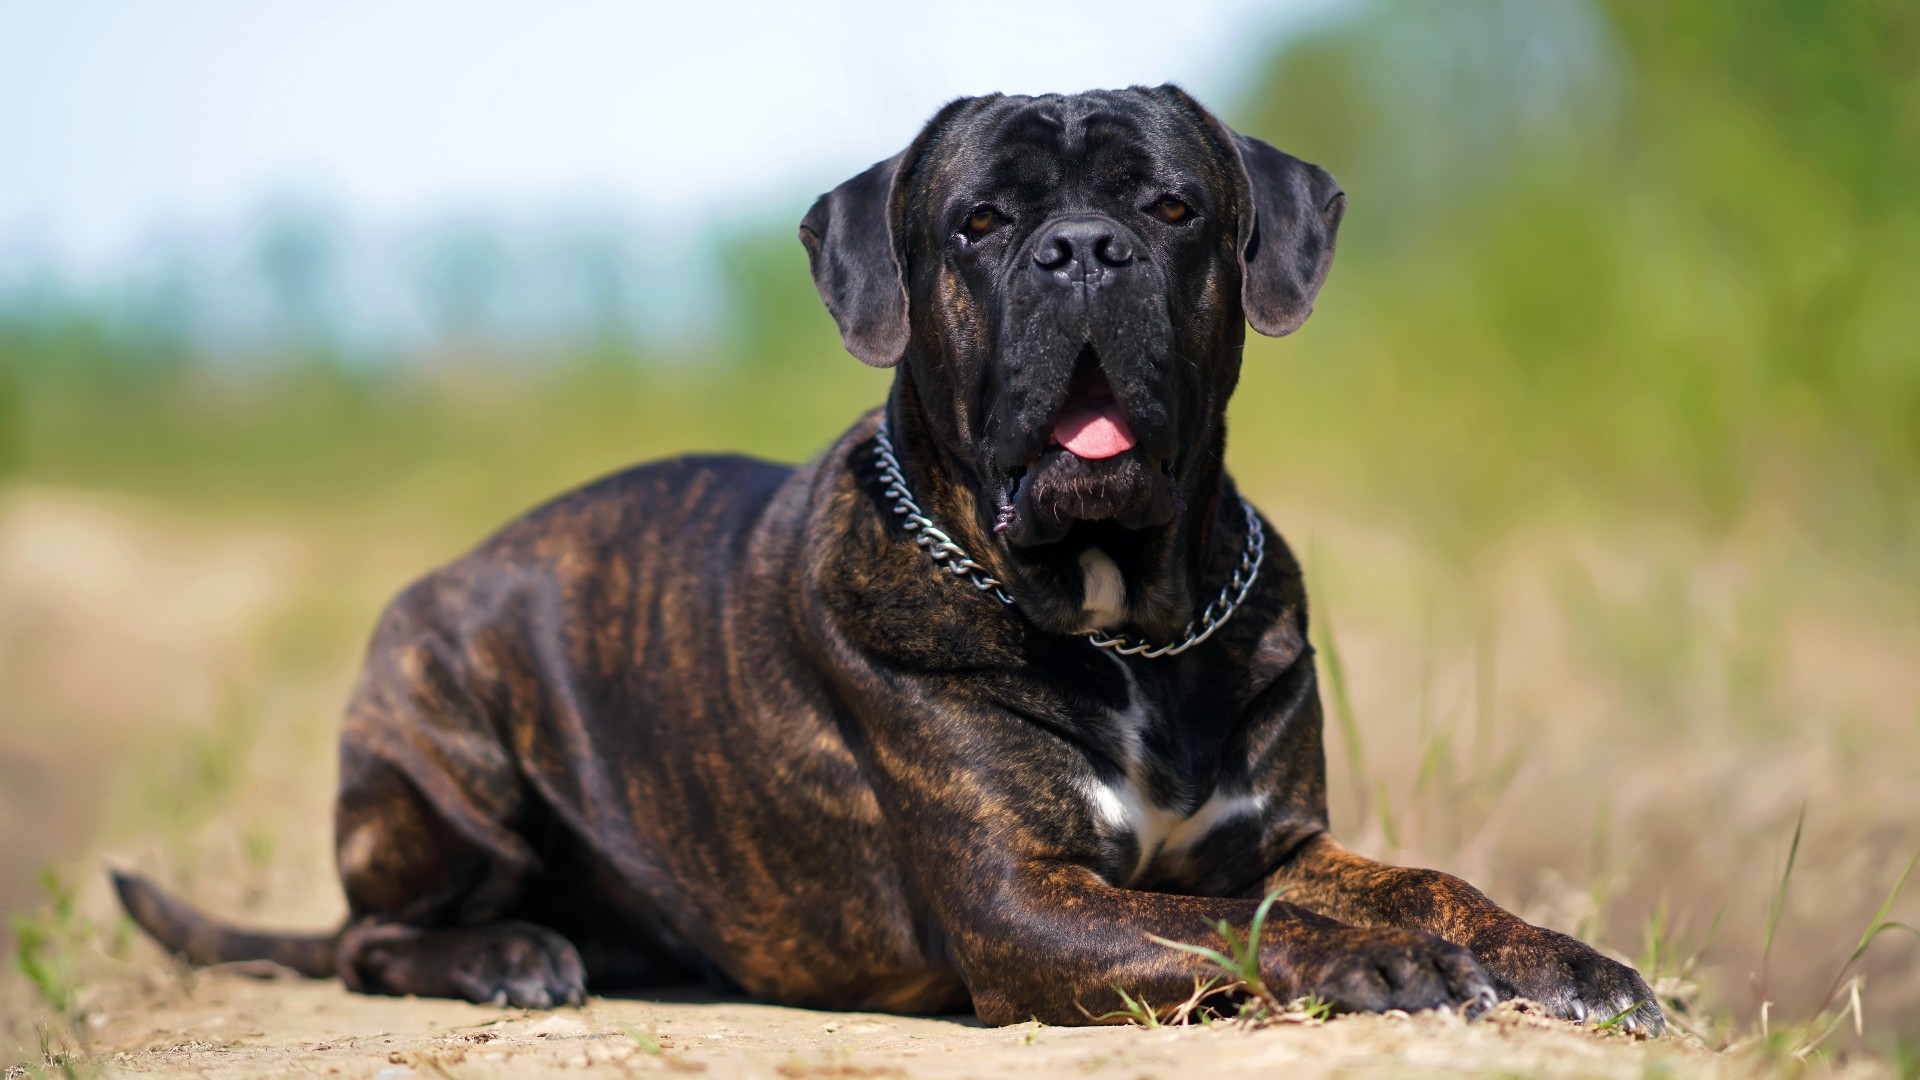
<point>1138,1010</point>
<point>1213,955</point>
<point>1235,947</point>
<point>1880,922</point>
<point>1615,1020</point>
<point>1879,925</point>
<point>1889,925</point>
<point>1693,958</point>
<point>1778,904</point>
<point>1259,923</point>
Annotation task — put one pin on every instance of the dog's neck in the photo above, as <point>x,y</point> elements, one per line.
<point>1151,580</point>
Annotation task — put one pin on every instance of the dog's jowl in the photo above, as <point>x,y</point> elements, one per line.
<point>961,713</point>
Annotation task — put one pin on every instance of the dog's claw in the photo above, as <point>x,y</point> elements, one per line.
<point>1572,980</point>
<point>1378,969</point>
<point>518,966</point>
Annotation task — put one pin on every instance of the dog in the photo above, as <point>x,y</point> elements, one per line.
<point>963,713</point>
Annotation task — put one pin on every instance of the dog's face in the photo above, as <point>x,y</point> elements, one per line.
<point>1069,278</point>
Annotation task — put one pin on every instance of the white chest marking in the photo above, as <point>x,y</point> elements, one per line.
<point>1124,805</point>
<point>1161,833</point>
<point>1104,589</point>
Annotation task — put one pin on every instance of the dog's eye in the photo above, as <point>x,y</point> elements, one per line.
<point>1170,210</point>
<point>982,221</point>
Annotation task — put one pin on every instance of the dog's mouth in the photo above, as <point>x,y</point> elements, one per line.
<point>1091,424</point>
<point>1088,466</point>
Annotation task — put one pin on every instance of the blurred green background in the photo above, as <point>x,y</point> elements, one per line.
<point>1649,259</point>
<point>1602,447</point>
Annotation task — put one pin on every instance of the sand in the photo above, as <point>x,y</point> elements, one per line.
<point>220,1024</point>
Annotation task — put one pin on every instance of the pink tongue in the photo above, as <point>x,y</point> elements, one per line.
<point>1094,431</point>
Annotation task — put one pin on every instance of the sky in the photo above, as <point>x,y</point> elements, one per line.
<point>121,119</point>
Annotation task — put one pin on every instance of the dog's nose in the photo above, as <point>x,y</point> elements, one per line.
<point>1083,244</point>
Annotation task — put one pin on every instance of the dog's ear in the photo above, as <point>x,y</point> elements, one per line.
<point>852,245</point>
<point>1286,242</point>
<point>855,237</point>
<point>1290,213</point>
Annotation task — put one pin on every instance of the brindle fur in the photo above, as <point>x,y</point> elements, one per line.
<point>716,719</point>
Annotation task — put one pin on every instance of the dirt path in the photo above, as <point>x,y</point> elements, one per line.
<point>220,1025</point>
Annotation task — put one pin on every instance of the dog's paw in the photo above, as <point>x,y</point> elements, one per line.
<point>1373,970</point>
<point>519,964</point>
<point>1571,979</point>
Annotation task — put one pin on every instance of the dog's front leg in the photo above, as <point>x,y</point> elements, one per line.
<point>1023,882</point>
<point>1566,975</point>
<point>1050,940</point>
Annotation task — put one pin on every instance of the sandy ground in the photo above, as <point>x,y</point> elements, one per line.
<point>221,1025</point>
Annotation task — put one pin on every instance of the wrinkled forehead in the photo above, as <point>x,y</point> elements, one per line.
<point>1040,149</point>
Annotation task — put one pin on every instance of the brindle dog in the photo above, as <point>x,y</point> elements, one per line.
<point>716,718</point>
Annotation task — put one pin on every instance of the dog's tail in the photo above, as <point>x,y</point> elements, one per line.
<point>203,941</point>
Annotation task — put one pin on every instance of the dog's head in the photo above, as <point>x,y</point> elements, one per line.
<point>1068,279</point>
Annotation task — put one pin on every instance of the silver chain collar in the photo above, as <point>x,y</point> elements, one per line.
<point>954,559</point>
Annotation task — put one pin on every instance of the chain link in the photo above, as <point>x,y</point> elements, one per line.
<point>955,560</point>
<point>1215,613</point>
<point>946,554</point>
